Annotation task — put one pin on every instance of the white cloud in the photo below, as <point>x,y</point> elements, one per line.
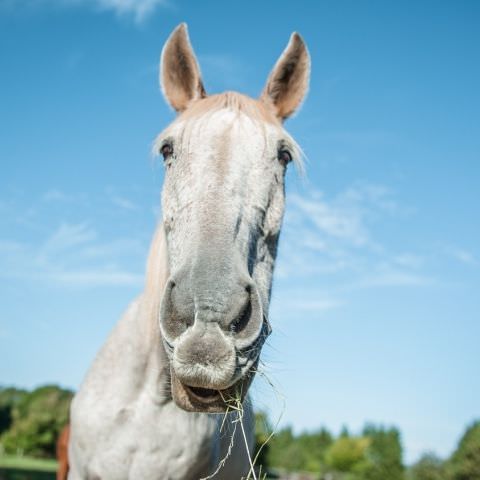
<point>37,244</point>
<point>464,256</point>
<point>329,235</point>
<point>344,218</point>
<point>408,260</point>
<point>394,278</point>
<point>138,9</point>
<point>93,278</point>
<point>8,247</point>
<point>333,242</point>
<point>54,195</point>
<point>123,203</point>
<point>69,235</point>
<point>73,255</point>
<point>307,303</point>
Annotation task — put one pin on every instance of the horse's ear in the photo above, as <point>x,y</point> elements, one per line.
<point>180,77</point>
<point>287,84</point>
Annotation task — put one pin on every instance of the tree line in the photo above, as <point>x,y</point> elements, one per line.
<point>373,454</point>
<point>30,422</point>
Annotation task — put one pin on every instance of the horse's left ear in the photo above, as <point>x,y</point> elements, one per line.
<point>287,84</point>
<point>180,78</point>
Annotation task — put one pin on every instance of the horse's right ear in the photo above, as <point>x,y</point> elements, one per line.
<point>287,84</point>
<point>180,78</point>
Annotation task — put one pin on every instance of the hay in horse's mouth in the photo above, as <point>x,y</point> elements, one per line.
<point>209,400</point>
<point>201,399</point>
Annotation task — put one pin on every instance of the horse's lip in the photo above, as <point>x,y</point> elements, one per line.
<point>197,399</point>
<point>213,397</point>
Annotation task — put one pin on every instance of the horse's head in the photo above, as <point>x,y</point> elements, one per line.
<point>223,200</point>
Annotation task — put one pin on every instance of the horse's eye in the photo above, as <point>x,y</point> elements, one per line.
<point>284,156</point>
<point>166,150</point>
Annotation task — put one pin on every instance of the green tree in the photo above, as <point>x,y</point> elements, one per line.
<point>313,447</point>
<point>429,467</point>
<point>263,431</point>
<point>9,398</point>
<point>465,461</point>
<point>282,451</point>
<point>384,454</point>
<point>37,420</point>
<point>305,452</point>
<point>347,454</point>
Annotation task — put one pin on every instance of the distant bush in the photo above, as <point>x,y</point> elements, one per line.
<point>9,398</point>
<point>30,423</point>
<point>348,454</point>
<point>428,467</point>
<point>36,420</point>
<point>465,461</point>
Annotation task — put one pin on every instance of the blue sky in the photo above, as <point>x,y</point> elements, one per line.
<point>375,304</point>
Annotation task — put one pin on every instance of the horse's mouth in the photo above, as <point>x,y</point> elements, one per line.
<point>206,395</point>
<point>199,399</point>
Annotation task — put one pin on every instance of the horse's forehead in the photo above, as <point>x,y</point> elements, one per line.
<point>222,127</point>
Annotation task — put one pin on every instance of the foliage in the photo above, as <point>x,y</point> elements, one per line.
<point>384,454</point>
<point>30,423</point>
<point>348,454</point>
<point>428,467</point>
<point>9,398</point>
<point>465,461</point>
<point>37,419</point>
<point>304,452</point>
<point>27,463</point>
<point>263,430</point>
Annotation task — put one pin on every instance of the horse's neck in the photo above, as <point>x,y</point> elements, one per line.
<point>133,359</point>
<point>148,312</point>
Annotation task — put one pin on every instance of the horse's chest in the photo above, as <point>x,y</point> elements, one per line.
<point>144,443</point>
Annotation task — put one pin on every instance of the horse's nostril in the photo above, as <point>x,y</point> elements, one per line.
<point>239,324</point>
<point>176,312</point>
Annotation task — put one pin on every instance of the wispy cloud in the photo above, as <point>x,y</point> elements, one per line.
<point>306,303</point>
<point>336,238</point>
<point>72,255</point>
<point>343,218</point>
<point>463,256</point>
<point>90,278</point>
<point>74,239</point>
<point>124,203</point>
<point>393,278</point>
<point>67,236</point>
<point>138,9</point>
<point>57,196</point>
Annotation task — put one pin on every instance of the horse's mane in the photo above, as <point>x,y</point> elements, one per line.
<point>255,109</point>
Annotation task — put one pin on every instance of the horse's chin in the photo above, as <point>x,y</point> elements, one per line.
<point>206,400</point>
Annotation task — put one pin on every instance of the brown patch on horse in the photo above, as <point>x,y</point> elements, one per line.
<point>255,109</point>
<point>62,453</point>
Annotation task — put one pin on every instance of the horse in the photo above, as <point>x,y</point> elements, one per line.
<point>62,453</point>
<point>166,396</point>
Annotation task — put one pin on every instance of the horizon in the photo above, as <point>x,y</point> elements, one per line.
<point>374,307</point>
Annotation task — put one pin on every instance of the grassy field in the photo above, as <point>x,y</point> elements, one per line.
<point>27,463</point>
<point>26,468</point>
